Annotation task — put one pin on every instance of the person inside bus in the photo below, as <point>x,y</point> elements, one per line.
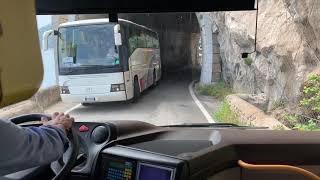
<point>33,146</point>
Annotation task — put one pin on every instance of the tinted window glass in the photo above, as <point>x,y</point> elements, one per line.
<point>85,47</point>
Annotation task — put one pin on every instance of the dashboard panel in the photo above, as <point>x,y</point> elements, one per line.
<point>114,167</point>
<point>118,161</point>
<point>138,150</point>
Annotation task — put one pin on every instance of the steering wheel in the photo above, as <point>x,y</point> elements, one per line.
<point>64,165</point>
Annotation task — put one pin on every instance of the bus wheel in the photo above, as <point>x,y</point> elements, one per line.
<point>155,83</point>
<point>136,90</point>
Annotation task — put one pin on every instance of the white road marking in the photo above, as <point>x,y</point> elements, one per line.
<point>73,108</point>
<point>198,103</point>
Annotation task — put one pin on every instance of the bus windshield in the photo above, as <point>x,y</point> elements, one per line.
<point>87,49</point>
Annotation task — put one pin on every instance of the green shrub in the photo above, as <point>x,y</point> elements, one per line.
<point>309,126</point>
<point>226,115</point>
<point>248,61</point>
<point>218,90</point>
<point>291,118</point>
<point>300,122</point>
<point>278,104</point>
<point>311,95</point>
<point>278,127</point>
<point>307,119</point>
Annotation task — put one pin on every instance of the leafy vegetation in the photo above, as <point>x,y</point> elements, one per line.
<point>300,122</point>
<point>311,94</point>
<point>278,104</point>
<point>309,126</point>
<point>218,90</point>
<point>248,61</point>
<point>278,127</point>
<point>291,119</point>
<point>306,116</point>
<point>226,115</point>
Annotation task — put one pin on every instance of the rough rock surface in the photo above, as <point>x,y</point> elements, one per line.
<point>288,47</point>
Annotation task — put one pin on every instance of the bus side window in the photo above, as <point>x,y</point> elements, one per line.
<point>149,40</point>
<point>141,39</point>
<point>155,41</point>
<point>132,41</point>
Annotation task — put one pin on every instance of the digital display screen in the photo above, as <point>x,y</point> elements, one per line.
<point>152,172</point>
<point>117,169</point>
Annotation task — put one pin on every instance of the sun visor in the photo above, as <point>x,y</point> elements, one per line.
<point>139,6</point>
<point>21,69</point>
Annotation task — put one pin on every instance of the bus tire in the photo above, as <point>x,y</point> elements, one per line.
<point>155,82</point>
<point>85,104</point>
<point>136,90</point>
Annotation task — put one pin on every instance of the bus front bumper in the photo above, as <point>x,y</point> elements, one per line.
<point>94,98</point>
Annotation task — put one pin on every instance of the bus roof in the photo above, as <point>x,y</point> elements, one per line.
<point>98,21</point>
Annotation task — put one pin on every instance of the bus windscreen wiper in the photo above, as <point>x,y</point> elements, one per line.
<point>215,125</point>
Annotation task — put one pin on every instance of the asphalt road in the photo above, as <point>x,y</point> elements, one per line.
<point>168,103</point>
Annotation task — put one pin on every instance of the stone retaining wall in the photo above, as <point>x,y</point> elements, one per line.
<point>47,97</point>
<point>36,104</point>
<point>252,115</point>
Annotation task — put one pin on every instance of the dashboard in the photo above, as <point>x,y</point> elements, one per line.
<point>115,167</point>
<point>133,150</point>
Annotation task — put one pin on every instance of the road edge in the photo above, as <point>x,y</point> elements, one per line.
<point>199,104</point>
<point>73,108</point>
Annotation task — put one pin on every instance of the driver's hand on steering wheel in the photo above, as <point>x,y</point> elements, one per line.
<point>60,120</point>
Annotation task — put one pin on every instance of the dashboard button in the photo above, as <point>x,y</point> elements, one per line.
<point>83,128</point>
<point>99,134</point>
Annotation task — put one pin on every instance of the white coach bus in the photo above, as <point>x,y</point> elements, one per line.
<point>102,61</point>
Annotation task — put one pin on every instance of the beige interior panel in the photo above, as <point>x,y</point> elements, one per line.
<point>243,174</point>
<point>21,70</point>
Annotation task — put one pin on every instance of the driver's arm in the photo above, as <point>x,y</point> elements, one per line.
<point>26,147</point>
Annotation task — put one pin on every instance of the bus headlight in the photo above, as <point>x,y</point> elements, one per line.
<point>117,87</point>
<point>64,90</point>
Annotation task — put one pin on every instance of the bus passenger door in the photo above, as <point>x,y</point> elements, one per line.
<point>128,80</point>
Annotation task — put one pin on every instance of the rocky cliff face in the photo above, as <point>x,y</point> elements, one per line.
<point>288,47</point>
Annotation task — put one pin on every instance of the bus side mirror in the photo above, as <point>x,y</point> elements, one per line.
<point>55,32</point>
<point>45,39</point>
<point>117,35</point>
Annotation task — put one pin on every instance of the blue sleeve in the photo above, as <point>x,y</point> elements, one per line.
<point>25,147</point>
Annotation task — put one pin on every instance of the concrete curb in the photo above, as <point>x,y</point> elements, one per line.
<point>250,114</point>
<point>36,104</point>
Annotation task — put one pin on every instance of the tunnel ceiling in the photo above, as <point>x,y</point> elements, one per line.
<point>178,22</point>
<point>48,7</point>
